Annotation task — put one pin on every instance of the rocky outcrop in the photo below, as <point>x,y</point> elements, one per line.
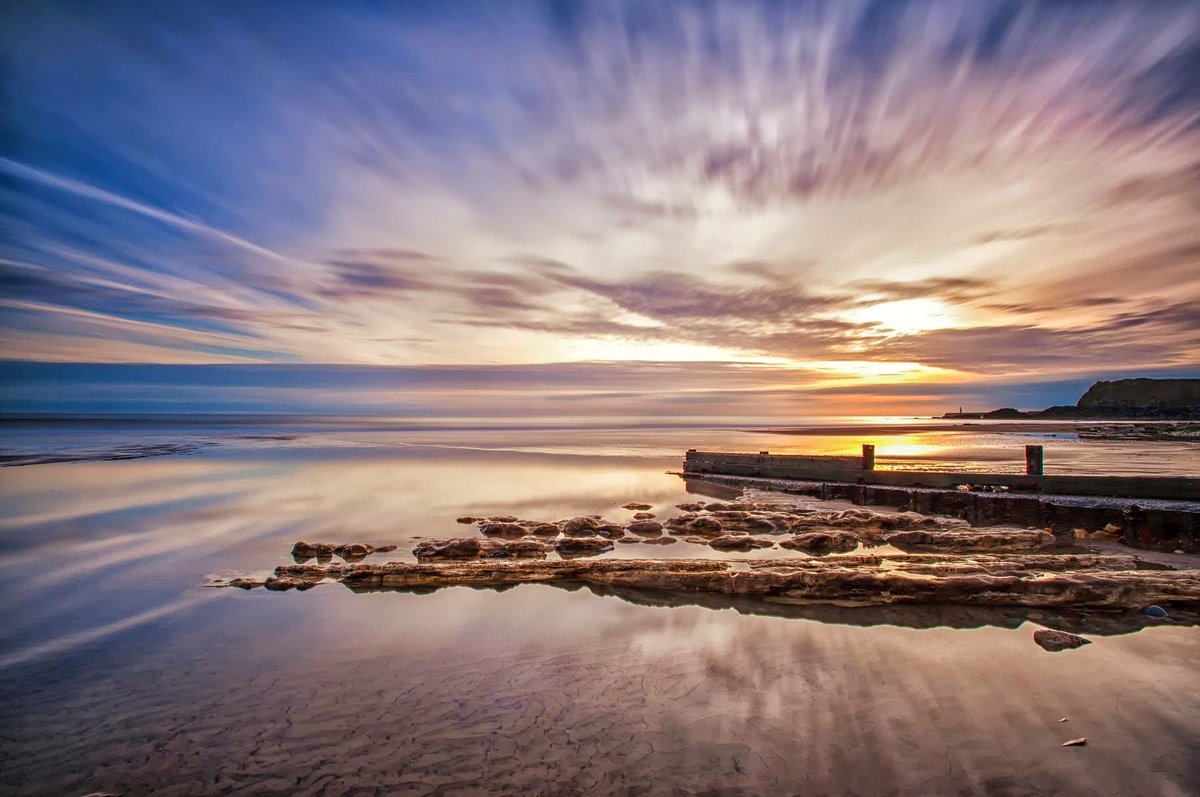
<point>324,551</point>
<point>821,542</point>
<point>582,546</point>
<point>475,548</point>
<point>743,542</point>
<point>971,540</point>
<point>1033,580</point>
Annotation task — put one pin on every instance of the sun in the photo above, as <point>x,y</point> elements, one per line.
<point>907,316</point>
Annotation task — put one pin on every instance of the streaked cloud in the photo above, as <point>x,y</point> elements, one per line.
<point>890,191</point>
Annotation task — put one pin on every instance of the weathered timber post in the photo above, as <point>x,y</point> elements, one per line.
<point>1034,460</point>
<point>868,457</point>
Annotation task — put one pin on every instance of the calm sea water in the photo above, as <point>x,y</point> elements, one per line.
<point>121,673</point>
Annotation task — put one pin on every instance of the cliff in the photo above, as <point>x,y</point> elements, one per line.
<point>1121,399</point>
<point>1143,397</point>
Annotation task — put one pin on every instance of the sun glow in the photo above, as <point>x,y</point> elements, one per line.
<point>908,316</point>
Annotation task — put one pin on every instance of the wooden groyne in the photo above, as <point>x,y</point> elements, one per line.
<point>1150,511</point>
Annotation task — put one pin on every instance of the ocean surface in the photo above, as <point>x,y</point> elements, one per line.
<point>120,672</point>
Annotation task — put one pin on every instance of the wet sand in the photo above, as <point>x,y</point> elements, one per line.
<point>120,674</point>
<point>613,698</point>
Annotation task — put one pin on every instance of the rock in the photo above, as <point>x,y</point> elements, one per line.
<point>649,528</point>
<point>611,530</point>
<point>658,541</point>
<point>285,583</point>
<point>755,523</point>
<point>643,516</point>
<point>730,542</point>
<point>971,540</point>
<point>717,506</point>
<point>457,548</point>
<point>582,546</point>
<point>1055,641</point>
<point>467,519</point>
<point>502,529</point>
<point>544,530</point>
<point>692,507</point>
<point>475,548</point>
<point>356,552</point>
<point>632,540</point>
<point>703,524</point>
<point>637,506</point>
<point>527,548</point>
<point>243,583</point>
<point>1031,580</point>
<point>822,542</point>
<point>503,519</point>
<point>324,551</point>
<point>1155,611</point>
<point>1178,550</point>
<point>580,526</point>
<point>312,550</point>
<point>1080,742</point>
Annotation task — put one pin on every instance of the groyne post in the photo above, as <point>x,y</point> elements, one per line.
<point>868,456</point>
<point>1034,460</point>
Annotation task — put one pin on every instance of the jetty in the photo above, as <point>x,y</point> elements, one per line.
<point>1156,512</point>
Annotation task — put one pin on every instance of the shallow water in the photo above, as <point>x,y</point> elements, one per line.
<point>120,672</point>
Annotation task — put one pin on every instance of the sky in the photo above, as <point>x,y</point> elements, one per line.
<point>771,208</point>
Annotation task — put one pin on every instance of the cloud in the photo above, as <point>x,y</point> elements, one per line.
<point>746,180</point>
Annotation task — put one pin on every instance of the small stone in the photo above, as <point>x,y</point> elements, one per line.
<point>637,506</point>
<point>1055,641</point>
<point>1177,550</point>
<point>643,516</point>
<point>1080,742</point>
<point>1155,611</point>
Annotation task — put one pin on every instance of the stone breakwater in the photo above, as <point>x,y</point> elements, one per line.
<point>942,561</point>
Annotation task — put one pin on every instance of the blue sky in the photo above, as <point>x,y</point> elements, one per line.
<point>785,205</point>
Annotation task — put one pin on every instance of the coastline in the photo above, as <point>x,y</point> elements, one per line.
<point>1113,430</point>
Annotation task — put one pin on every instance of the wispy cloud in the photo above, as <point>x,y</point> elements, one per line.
<point>971,187</point>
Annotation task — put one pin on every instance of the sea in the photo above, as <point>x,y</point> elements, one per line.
<point>122,672</point>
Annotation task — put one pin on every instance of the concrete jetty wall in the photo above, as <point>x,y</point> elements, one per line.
<point>1162,513</point>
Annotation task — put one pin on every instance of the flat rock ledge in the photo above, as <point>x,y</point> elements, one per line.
<point>1066,580</point>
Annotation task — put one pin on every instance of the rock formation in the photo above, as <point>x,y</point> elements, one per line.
<point>1040,580</point>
